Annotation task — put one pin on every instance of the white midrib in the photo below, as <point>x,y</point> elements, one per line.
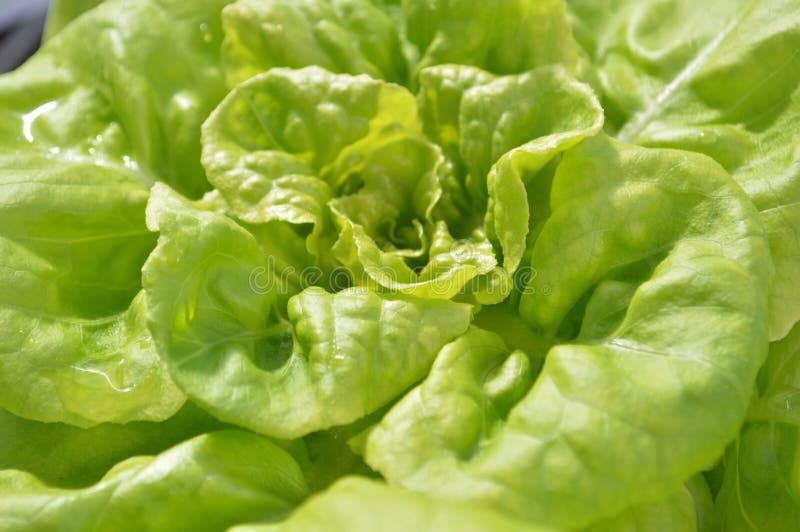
<point>639,121</point>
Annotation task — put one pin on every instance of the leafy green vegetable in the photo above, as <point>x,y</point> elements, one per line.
<point>474,265</point>
<point>107,89</point>
<point>281,144</point>
<point>75,347</point>
<point>506,37</point>
<point>578,425</point>
<point>347,36</point>
<point>70,457</point>
<point>721,80</point>
<point>333,359</point>
<point>209,482</point>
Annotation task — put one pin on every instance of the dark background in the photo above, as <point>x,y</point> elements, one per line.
<point>21,24</point>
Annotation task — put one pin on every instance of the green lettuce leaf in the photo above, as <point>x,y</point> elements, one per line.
<point>344,36</point>
<point>675,514</point>
<point>359,36</point>
<point>86,126</point>
<point>355,504</point>
<point>70,457</point>
<point>75,347</point>
<point>721,79</point>
<point>209,482</point>
<point>108,89</point>
<point>283,143</point>
<point>330,360</point>
<point>613,421</point>
<point>454,267</point>
<point>530,127</point>
<point>761,484</point>
<point>506,37</point>
<point>421,261</point>
<point>344,154</point>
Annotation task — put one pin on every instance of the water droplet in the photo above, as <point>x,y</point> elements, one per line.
<point>29,118</point>
<point>92,151</point>
<point>89,368</point>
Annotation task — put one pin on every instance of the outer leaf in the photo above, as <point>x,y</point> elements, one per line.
<point>86,121</point>
<point>620,420</point>
<point>721,78</point>
<point>75,348</point>
<point>69,457</point>
<point>114,87</point>
<point>761,486</point>
<point>335,361</point>
<point>505,37</point>
<point>209,482</point>
<point>346,36</point>
<point>354,505</point>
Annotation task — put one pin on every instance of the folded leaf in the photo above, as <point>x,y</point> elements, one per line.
<point>619,420</point>
<point>454,267</point>
<point>209,482</point>
<point>355,504</point>
<point>229,347</point>
<point>533,117</point>
<point>722,79</point>
<point>498,133</point>
<point>345,36</point>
